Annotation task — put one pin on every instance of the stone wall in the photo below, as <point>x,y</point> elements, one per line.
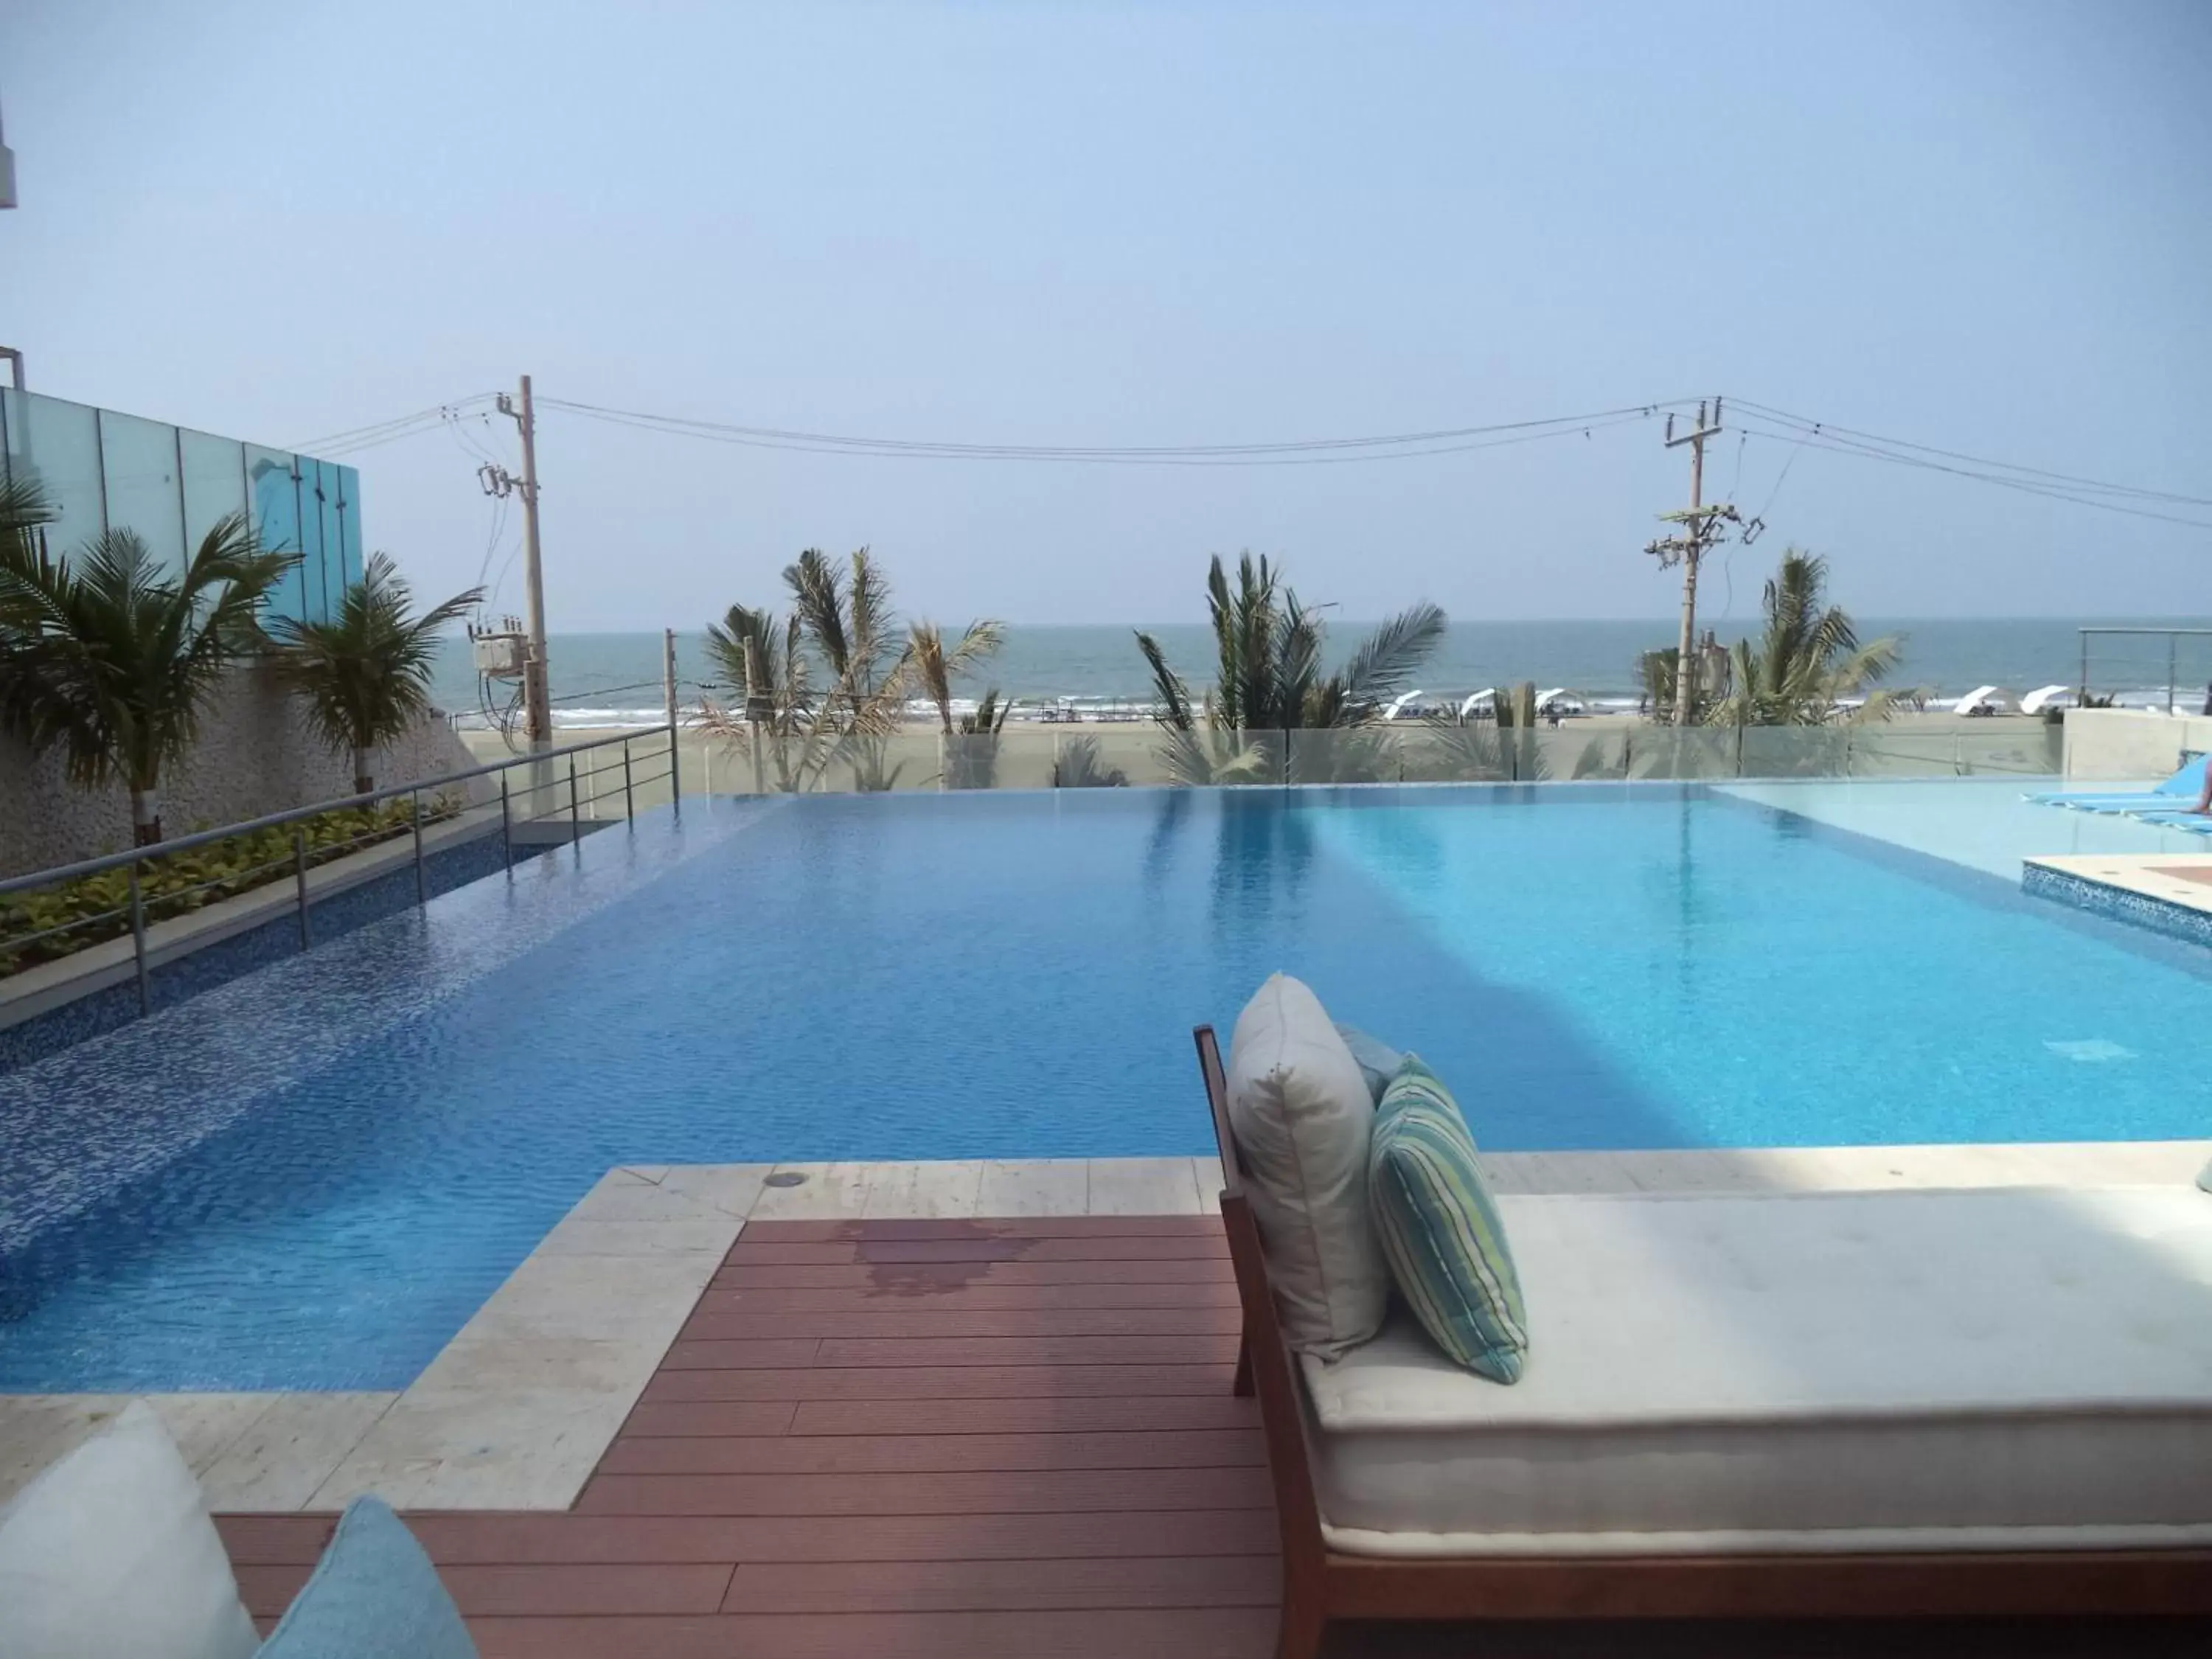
<point>2115,743</point>
<point>255,755</point>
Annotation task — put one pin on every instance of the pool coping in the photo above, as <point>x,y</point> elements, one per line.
<point>518,1409</point>
<point>2141,888</point>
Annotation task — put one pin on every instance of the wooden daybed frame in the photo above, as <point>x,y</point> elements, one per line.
<point>1321,1584</point>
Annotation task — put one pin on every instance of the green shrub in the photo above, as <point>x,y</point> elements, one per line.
<point>94,908</point>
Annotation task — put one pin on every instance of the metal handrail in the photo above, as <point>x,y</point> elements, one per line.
<point>137,857</point>
<point>276,820</point>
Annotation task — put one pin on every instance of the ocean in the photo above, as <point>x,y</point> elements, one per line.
<point>609,679</point>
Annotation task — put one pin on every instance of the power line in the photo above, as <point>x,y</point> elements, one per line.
<point>1819,438</point>
<point>1315,452</point>
<point>378,431</point>
<point>1850,434</point>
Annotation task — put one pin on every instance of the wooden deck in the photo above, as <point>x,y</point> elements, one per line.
<point>972,1440</point>
<point>897,1438</point>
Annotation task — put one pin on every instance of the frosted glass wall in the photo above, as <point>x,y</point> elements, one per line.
<point>99,469</point>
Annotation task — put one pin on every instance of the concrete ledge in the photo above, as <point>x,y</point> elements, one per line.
<point>2168,893</point>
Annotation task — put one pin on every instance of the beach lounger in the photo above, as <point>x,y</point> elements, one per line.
<point>2185,786</point>
<point>1913,1404</point>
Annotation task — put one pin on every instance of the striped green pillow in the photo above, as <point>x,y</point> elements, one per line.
<point>1439,1226</point>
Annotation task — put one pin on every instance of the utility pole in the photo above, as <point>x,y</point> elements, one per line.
<point>537,700</point>
<point>1701,533</point>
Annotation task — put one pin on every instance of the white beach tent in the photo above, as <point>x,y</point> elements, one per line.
<point>1567,700</point>
<point>1976,698</point>
<point>1398,705</point>
<point>1477,702</point>
<point>2047,696</point>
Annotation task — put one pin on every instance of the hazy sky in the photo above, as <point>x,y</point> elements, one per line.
<point>1984,226</point>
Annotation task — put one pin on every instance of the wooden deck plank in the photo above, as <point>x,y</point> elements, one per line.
<point>977,1586</point>
<point>1217,1409</point>
<point>554,1539</point>
<point>1012,1351</point>
<point>935,1321</point>
<point>956,1295</point>
<point>898,1439</point>
<point>921,1275</point>
<point>1058,1492</point>
<point>1155,1633</point>
<point>914,1453</point>
<point>578,1590</point>
<point>942,1383</point>
<point>748,1251</point>
<point>1041,1226</point>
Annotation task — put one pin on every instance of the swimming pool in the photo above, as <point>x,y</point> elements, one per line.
<point>312,1176</point>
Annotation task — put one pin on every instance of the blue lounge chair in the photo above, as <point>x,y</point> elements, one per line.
<point>2184,786</point>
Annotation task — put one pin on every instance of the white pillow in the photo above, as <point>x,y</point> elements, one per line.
<point>1301,1115</point>
<point>110,1554</point>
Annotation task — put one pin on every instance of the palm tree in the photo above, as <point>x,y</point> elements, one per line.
<point>965,764</point>
<point>107,658</point>
<point>843,622</point>
<point>1077,767</point>
<point>365,677</point>
<point>779,720</point>
<point>1807,657</point>
<point>1269,648</point>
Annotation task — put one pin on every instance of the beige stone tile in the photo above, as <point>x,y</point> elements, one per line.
<point>699,1235</point>
<point>1691,1172</point>
<point>291,1450</point>
<point>651,1174</point>
<point>621,1198</point>
<point>931,1190</point>
<point>1578,1172</point>
<point>516,1364</point>
<point>731,1188</point>
<point>39,1430</point>
<point>1143,1186</point>
<point>1059,1186</point>
<point>206,1425</point>
<point>509,1449</point>
<point>606,1298</point>
<point>1207,1171</point>
<point>830,1192</point>
<point>1509,1172</point>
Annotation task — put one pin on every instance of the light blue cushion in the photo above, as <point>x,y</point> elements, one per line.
<point>374,1595</point>
<point>1378,1062</point>
<point>1440,1229</point>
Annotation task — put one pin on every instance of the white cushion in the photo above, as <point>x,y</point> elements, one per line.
<point>1301,1113</point>
<point>110,1554</point>
<point>2004,1368</point>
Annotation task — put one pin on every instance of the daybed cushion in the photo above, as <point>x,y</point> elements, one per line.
<point>1301,1113</point>
<point>1439,1226</point>
<point>110,1554</point>
<point>2008,1368</point>
<point>373,1595</point>
<point>1377,1061</point>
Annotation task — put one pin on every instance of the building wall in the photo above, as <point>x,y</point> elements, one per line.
<point>255,755</point>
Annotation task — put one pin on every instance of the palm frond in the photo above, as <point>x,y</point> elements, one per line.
<point>1387,659</point>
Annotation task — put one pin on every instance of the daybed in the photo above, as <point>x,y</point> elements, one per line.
<point>1905,1403</point>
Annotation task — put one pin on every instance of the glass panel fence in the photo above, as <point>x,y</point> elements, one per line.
<point>56,445</point>
<point>1041,754</point>
<point>145,495</point>
<point>214,481</point>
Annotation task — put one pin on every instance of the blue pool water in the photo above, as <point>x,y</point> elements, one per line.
<point>312,1176</point>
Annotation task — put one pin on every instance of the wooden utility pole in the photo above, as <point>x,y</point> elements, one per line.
<point>537,697</point>
<point>1700,531</point>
